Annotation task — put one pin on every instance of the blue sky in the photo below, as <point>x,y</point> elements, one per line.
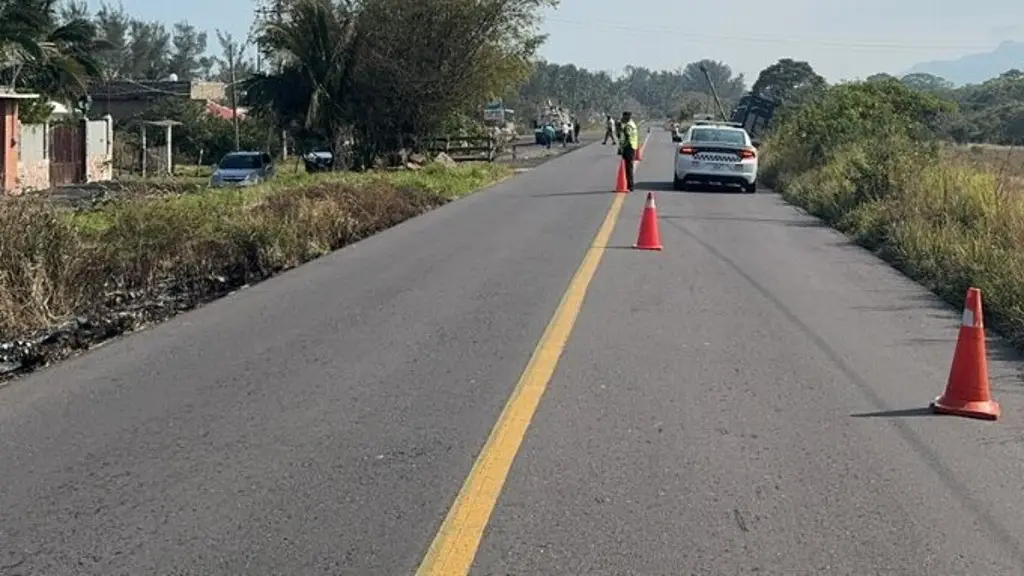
<point>841,40</point>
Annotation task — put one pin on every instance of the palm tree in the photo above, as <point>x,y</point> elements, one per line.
<point>40,53</point>
<point>316,46</point>
<point>21,28</point>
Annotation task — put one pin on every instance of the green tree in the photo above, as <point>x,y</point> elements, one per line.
<point>388,72</point>
<point>880,77</point>
<point>419,64</point>
<point>232,65</point>
<point>149,49</point>
<point>73,10</point>
<point>692,104</point>
<point>202,136</point>
<point>927,83</point>
<point>188,59</point>
<point>311,91</point>
<point>991,111</point>
<point>850,114</point>
<point>729,87</point>
<point>114,26</point>
<point>46,53</point>
<point>652,93</point>
<point>788,80</point>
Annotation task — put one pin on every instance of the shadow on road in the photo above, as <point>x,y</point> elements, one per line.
<point>653,186</point>
<point>579,193</point>
<point>666,186</point>
<point>710,189</point>
<point>906,412</point>
<point>779,221</point>
<point>908,303</point>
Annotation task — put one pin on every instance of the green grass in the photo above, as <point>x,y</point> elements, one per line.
<point>950,217</point>
<point>57,263</point>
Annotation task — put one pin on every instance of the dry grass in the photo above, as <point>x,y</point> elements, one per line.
<point>1004,161</point>
<point>865,157</point>
<point>949,222</point>
<point>57,263</point>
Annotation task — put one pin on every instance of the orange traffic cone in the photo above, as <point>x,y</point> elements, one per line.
<point>967,392</point>
<point>649,237</point>
<point>640,153</point>
<point>621,185</point>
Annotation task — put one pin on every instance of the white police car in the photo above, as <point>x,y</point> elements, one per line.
<point>716,153</point>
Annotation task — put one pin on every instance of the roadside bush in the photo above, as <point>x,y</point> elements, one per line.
<point>57,264</point>
<point>866,159</point>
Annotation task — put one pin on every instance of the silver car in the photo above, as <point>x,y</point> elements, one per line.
<point>242,169</point>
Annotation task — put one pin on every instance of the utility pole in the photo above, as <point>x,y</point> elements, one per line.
<point>232,56</point>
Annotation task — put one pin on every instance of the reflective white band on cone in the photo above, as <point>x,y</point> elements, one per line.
<point>967,319</point>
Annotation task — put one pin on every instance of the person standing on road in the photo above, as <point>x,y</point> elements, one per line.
<point>609,131</point>
<point>576,130</point>
<point>630,143</point>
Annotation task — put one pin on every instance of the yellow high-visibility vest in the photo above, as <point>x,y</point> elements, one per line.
<point>632,133</point>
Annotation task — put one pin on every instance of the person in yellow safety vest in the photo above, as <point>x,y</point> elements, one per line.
<point>630,143</point>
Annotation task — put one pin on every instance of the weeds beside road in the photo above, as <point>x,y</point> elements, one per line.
<point>72,277</point>
<point>950,217</point>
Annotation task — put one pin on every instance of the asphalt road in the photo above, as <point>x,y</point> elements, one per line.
<point>745,401</point>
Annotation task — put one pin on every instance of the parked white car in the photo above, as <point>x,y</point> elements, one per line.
<point>716,153</point>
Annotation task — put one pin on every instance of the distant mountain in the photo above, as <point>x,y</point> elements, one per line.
<point>976,68</point>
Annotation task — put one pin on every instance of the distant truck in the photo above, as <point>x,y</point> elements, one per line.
<point>556,117</point>
<point>754,114</point>
<point>500,120</point>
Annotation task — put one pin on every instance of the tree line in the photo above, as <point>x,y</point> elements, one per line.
<point>369,78</point>
<point>990,112</point>
<point>678,93</point>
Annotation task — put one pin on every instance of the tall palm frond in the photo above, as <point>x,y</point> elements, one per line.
<point>22,25</point>
<point>41,53</point>
<point>316,44</point>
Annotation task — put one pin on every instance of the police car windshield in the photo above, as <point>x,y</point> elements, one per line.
<point>719,135</point>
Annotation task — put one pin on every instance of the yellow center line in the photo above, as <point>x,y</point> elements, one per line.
<point>455,546</point>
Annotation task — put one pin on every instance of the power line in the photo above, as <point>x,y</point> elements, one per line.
<point>689,35</point>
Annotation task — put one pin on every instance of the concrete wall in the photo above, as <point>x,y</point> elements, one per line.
<point>33,153</point>
<point>99,150</point>
<point>34,157</point>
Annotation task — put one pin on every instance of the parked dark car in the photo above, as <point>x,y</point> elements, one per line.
<point>319,160</point>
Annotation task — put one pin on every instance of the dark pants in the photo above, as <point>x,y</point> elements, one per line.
<point>628,154</point>
<point>609,134</point>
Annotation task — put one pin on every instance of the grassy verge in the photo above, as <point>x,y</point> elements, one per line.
<point>86,275</point>
<point>862,158</point>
